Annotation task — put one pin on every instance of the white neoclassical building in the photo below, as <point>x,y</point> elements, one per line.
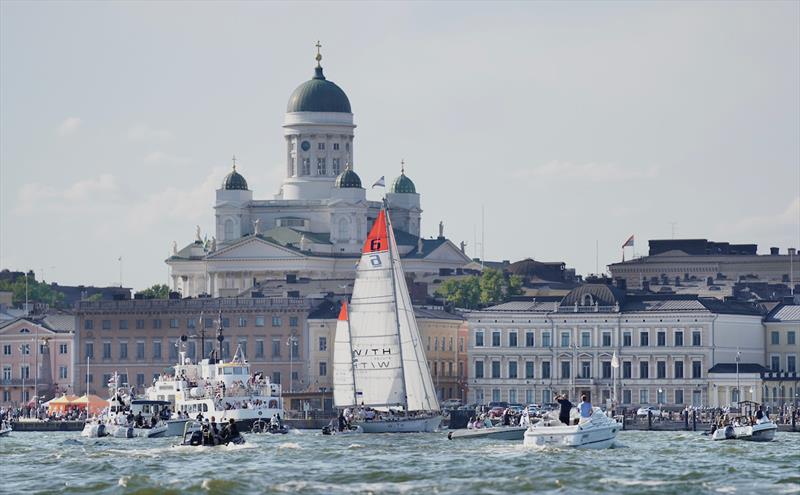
<point>314,227</point>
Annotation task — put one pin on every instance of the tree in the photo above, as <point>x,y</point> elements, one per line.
<point>462,293</point>
<point>37,292</point>
<point>157,291</point>
<point>492,286</point>
<point>514,286</point>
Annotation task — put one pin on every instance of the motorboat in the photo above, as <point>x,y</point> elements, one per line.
<point>332,429</point>
<point>595,432</point>
<point>745,425</point>
<point>129,417</point>
<point>380,371</point>
<point>273,427</point>
<point>202,434</point>
<point>495,432</point>
<point>5,428</point>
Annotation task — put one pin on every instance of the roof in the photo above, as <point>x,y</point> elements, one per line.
<point>524,306</point>
<point>348,179</point>
<point>60,323</point>
<point>785,312</point>
<point>327,310</point>
<point>743,368</point>
<point>435,314</point>
<point>318,95</point>
<point>730,307</point>
<point>234,181</point>
<point>287,235</point>
<point>403,185</point>
<point>602,294</point>
<point>671,305</point>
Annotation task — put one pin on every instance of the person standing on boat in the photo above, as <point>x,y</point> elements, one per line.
<point>566,407</point>
<point>585,407</point>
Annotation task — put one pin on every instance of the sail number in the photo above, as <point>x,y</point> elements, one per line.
<point>375,260</point>
<point>375,245</point>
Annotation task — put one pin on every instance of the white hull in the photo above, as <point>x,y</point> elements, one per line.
<point>5,431</point>
<point>761,432</point>
<point>94,430</point>
<point>412,425</point>
<point>597,432</point>
<point>496,433</point>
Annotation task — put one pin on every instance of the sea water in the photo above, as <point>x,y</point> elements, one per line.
<point>309,463</point>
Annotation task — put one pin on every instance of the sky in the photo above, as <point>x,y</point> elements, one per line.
<point>571,125</point>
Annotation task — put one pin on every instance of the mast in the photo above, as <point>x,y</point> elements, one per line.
<point>396,312</point>
<point>352,365</point>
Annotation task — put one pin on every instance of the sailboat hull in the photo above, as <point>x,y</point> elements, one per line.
<point>411,425</point>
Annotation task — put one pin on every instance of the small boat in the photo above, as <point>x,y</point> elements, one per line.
<point>197,434</point>
<point>5,428</point>
<point>595,432</point>
<point>262,426</point>
<point>332,429</point>
<point>746,427</point>
<point>495,433</point>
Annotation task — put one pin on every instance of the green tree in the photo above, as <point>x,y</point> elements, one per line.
<point>514,286</point>
<point>492,286</point>
<point>98,296</point>
<point>462,293</point>
<point>157,291</point>
<point>37,292</point>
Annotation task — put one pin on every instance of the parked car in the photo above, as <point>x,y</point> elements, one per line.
<point>517,408</point>
<point>451,404</point>
<point>643,411</point>
<point>502,404</point>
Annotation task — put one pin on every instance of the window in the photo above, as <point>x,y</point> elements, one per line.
<point>512,369</point>
<point>606,339</point>
<point>226,322</point>
<point>89,349</point>
<point>25,372</point>
<point>478,338</point>
<point>123,324</point>
<point>62,372</point>
<point>306,166</point>
<point>626,339</point>
<point>140,350</point>
<point>450,347</point>
<point>335,146</point>
<point>478,369</point>
<point>208,322</point>
<point>191,350</point>
<point>25,349</point>
<point>347,146</point>
<point>644,338</point>
<point>546,369</point>
<point>62,348</point>
<point>7,349</point>
<point>679,338</point>
<point>661,339</point>
<point>7,372</point>
<point>697,370</point>
<point>436,343</point>
<point>276,348</point>
<point>564,339</point>
<point>460,369</point>
<point>156,349</point>
<point>512,395</point>
<point>586,339</point>
<point>88,324</point>
<point>276,321</point>
<point>321,168</point>
<point>626,396</point>
<point>512,339</point>
<point>461,344</point>
<point>323,368</point>
<point>546,342</point>
<point>276,377</point>
<point>123,350</point>
<point>226,349</point>
<point>661,396</point>
<point>627,369</point>
<point>242,321</point>
<point>496,338</point>
<point>106,350</point>
<point>529,341</point>
<point>547,396</point>
<point>320,146</point>
<point>775,363</point>
<point>139,324</point>
<point>565,369</point>
<point>140,379</point>
<point>495,369</point>
<point>679,397</point>
<point>644,369</point>
<point>644,396</point>
<point>790,337</point>
<point>335,164</point>
<point>528,369</point>
<point>606,369</point>
<point>495,394</point>
<point>428,345</point>
<point>242,344</point>
<point>293,321</point>
<point>173,350</point>
<point>259,349</point>
<point>661,369</point>
<point>791,364</point>
<point>696,338</point>
<point>678,369</point>
<point>259,321</point>
<point>775,338</point>
<point>156,324</point>
<point>295,347</point>
<point>586,369</point>
<point>106,324</point>
<point>323,344</point>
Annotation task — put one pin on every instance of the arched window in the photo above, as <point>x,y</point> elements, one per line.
<point>344,229</point>
<point>587,300</point>
<point>228,229</point>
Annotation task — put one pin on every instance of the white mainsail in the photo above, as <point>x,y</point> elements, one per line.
<point>378,357</point>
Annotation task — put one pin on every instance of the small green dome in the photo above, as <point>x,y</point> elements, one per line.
<point>403,184</point>
<point>348,179</point>
<point>318,95</point>
<point>234,181</point>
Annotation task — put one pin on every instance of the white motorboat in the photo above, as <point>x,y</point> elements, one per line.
<point>380,371</point>
<point>762,431</point>
<point>5,428</point>
<point>596,432</point>
<point>495,432</point>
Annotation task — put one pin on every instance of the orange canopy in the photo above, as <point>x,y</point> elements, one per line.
<point>61,404</point>
<point>91,402</point>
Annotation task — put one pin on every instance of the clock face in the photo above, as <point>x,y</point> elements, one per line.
<point>305,145</point>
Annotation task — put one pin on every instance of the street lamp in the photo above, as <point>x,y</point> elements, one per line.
<point>291,342</point>
<point>660,391</point>
<point>22,348</point>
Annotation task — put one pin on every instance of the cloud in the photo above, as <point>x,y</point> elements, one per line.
<point>161,158</point>
<point>142,132</point>
<point>781,226</point>
<point>69,126</point>
<point>591,171</point>
<point>103,187</point>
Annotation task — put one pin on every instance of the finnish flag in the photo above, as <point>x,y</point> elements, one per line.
<point>380,182</point>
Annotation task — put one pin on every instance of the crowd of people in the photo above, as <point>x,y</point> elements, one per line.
<point>210,434</point>
<point>42,414</point>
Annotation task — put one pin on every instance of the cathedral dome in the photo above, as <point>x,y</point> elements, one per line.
<point>318,95</point>
<point>348,179</point>
<point>234,181</point>
<point>403,184</point>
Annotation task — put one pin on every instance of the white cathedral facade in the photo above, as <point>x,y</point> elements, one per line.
<point>314,227</point>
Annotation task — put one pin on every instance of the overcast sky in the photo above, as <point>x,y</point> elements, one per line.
<point>571,122</point>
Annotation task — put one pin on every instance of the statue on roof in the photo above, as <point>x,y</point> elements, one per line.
<point>174,247</point>
<point>197,235</point>
<point>213,243</point>
<point>441,229</point>
<point>463,246</point>
<point>256,225</point>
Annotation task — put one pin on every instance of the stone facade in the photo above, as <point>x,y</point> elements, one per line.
<point>782,332</point>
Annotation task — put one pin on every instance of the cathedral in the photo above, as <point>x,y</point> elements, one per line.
<point>314,227</point>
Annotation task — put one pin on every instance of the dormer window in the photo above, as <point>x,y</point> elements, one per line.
<point>24,330</point>
<point>587,300</point>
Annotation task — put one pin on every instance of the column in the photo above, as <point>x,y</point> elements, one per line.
<point>212,283</point>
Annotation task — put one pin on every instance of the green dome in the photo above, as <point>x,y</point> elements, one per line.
<point>318,95</point>
<point>348,179</point>
<point>403,184</point>
<point>234,181</point>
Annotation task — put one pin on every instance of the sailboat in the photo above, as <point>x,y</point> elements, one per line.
<point>379,364</point>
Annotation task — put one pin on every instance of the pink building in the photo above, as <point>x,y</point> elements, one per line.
<point>36,352</point>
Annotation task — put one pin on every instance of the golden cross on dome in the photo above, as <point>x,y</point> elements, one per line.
<point>319,55</point>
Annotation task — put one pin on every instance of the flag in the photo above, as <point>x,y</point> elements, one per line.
<point>629,242</point>
<point>380,182</point>
<point>614,361</point>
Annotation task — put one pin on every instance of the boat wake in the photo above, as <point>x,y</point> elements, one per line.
<point>289,445</point>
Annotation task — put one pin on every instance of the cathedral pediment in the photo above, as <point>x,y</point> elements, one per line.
<point>447,251</point>
<point>251,247</point>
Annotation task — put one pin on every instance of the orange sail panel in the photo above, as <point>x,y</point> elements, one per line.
<point>377,240</point>
<point>343,312</point>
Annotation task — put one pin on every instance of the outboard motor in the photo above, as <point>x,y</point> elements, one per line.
<point>101,430</point>
<point>729,432</point>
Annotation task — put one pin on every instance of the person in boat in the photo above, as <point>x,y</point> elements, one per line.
<point>585,407</point>
<point>566,407</point>
<point>342,421</point>
<point>214,430</point>
<point>506,417</point>
<point>760,414</point>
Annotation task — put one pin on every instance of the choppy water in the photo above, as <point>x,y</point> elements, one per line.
<point>309,463</point>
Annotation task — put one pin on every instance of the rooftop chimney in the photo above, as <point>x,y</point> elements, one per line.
<point>773,251</point>
<point>792,252</point>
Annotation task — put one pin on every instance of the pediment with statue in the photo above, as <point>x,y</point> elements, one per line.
<point>254,247</point>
